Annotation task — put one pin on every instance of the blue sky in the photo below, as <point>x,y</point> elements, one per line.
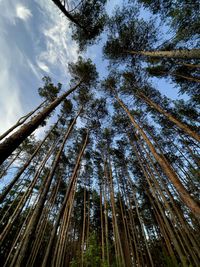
<point>35,41</point>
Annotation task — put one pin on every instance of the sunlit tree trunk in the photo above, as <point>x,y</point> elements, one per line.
<point>168,226</point>
<point>187,199</point>
<point>171,118</point>
<point>185,54</point>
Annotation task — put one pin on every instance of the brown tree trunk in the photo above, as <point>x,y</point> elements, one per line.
<point>21,170</point>
<point>61,246</point>
<point>174,235</point>
<point>10,163</point>
<point>106,222</point>
<point>30,231</point>
<point>25,196</point>
<point>83,231</point>
<point>167,169</point>
<point>21,121</point>
<point>119,254</point>
<point>185,54</point>
<point>13,141</point>
<point>72,182</point>
<point>171,118</point>
<point>102,227</point>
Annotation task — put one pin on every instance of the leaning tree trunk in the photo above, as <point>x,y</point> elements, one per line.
<point>30,231</point>
<point>13,141</point>
<point>185,54</point>
<point>21,121</point>
<point>171,118</point>
<point>167,169</point>
<point>7,189</point>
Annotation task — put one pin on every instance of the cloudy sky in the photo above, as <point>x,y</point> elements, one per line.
<point>35,41</point>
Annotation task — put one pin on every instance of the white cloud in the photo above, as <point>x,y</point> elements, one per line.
<point>34,69</point>
<point>23,64</point>
<point>43,66</point>
<point>23,12</point>
<point>60,48</point>
<point>10,104</point>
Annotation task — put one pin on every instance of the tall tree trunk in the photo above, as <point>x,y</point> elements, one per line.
<point>170,117</point>
<point>30,231</point>
<point>72,181</point>
<point>13,141</point>
<point>10,163</point>
<point>185,54</point>
<point>83,231</point>
<point>59,254</point>
<point>167,169</point>
<point>21,121</point>
<point>23,168</point>
<point>25,196</point>
<point>41,229</point>
<point>102,227</point>
<point>106,221</point>
<point>174,220</point>
<point>142,228</point>
<point>120,254</point>
<point>174,235</point>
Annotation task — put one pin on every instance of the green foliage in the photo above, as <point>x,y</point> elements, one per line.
<point>128,33</point>
<point>92,17</point>
<point>67,107</point>
<point>85,71</point>
<point>182,15</point>
<point>49,91</point>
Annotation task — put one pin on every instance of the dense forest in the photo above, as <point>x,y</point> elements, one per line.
<point>114,178</point>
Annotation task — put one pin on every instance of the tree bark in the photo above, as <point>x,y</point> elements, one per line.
<point>185,54</point>
<point>167,169</point>
<point>25,196</point>
<point>171,118</point>
<point>72,181</point>
<point>21,121</point>
<point>23,168</point>
<point>30,231</point>
<point>13,141</point>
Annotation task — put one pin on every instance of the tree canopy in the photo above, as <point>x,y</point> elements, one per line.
<point>113,180</point>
